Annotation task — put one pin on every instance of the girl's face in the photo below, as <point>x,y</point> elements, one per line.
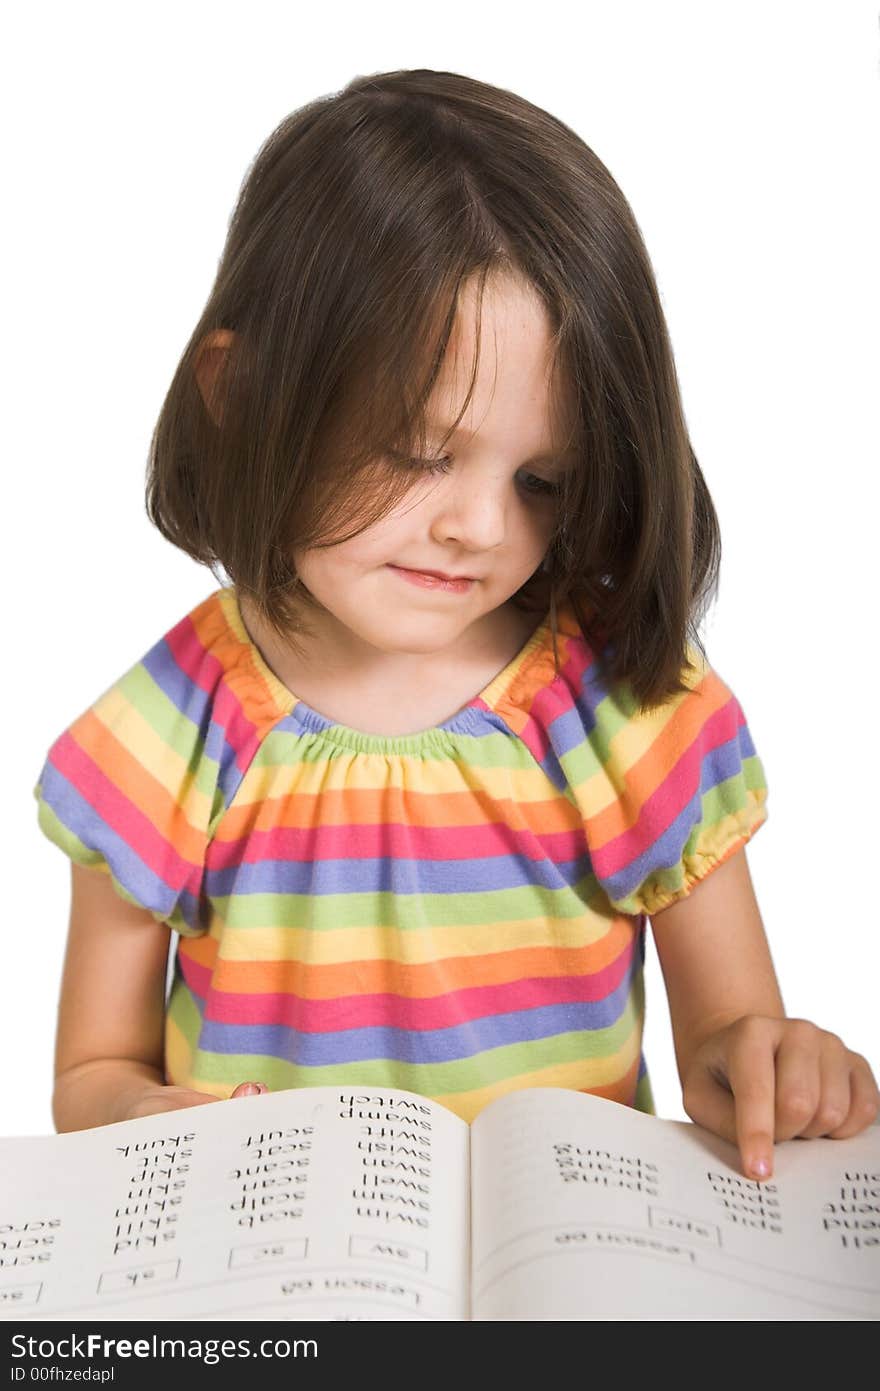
<point>488,514</point>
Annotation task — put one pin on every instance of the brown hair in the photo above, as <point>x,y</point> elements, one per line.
<point>357,225</point>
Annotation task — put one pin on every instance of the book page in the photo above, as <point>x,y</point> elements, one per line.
<point>318,1203</point>
<point>586,1209</point>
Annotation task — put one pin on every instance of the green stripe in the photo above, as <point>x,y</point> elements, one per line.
<point>176,730</point>
<point>408,912</point>
<point>182,1008</point>
<point>497,750</point>
<point>732,795</point>
<point>644,1098</point>
<point>594,753</point>
<point>58,833</point>
<point>753,774</point>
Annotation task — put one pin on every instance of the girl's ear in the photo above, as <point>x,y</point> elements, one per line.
<point>210,360</point>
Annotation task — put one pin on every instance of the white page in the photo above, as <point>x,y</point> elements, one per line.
<point>662,1224</point>
<point>319,1203</point>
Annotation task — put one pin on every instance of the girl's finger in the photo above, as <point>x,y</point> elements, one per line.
<point>864,1099</point>
<point>730,1090</point>
<point>751,1070</point>
<point>833,1101</point>
<point>709,1102</point>
<point>250,1089</point>
<point>799,1077</point>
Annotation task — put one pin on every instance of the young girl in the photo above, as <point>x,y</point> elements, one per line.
<point>409,785</point>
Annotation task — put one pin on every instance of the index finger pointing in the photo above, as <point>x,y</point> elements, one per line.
<point>751,1072</point>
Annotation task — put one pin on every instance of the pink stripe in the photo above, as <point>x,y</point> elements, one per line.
<point>435,1012</point>
<point>556,698</point>
<point>195,661</point>
<point>365,841</point>
<point>207,673</point>
<point>115,810</point>
<point>670,798</point>
<point>240,732</point>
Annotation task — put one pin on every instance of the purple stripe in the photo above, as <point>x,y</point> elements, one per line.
<point>179,688</point>
<point>384,874</point>
<point>418,1046</point>
<point>666,850</point>
<point>214,712</point>
<point>78,816</point>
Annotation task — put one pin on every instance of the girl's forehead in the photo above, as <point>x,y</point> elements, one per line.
<point>510,314</point>
<point>506,344</point>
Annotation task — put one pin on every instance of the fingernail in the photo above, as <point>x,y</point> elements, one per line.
<point>760,1168</point>
<point>248,1089</point>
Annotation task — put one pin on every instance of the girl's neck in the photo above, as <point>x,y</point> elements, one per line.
<point>354,684</point>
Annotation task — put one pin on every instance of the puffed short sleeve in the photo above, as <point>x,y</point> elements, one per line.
<point>131,789</point>
<point>666,795</point>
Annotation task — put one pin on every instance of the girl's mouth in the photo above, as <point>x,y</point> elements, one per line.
<point>460,586</point>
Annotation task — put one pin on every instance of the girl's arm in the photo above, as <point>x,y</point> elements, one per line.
<point>109,1052</point>
<point>748,1073</point>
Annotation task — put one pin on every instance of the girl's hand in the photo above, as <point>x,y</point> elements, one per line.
<point>153,1100</point>
<point>761,1079</point>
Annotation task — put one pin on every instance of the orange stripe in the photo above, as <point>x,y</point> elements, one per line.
<point>136,786</point>
<point>536,672</point>
<point>399,978</point>
<point>241,672</point>
<point>379,806</point>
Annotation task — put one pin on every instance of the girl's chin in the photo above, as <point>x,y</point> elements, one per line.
<point>404,631</point>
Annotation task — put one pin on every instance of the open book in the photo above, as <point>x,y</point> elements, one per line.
<point>324,1203</point>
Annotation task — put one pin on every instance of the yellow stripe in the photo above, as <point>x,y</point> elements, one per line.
<point>349,770</point>
<point>641,730</point>
<point>178,1058</point>
<point>412,947</point>
<point>631,743</point>
<point>126,724</point>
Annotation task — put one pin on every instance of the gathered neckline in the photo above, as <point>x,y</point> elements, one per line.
<point>466,720</point>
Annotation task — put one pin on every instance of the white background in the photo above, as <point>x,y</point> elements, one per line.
<point>746,141</point>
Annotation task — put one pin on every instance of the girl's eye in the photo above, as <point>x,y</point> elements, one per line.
<point>542,486</point>
<point>530,482</point>
<point>439,465</point>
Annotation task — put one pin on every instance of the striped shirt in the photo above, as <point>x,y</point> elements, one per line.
<point>459,912</point>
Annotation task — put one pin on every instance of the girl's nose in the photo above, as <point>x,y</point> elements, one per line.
<point>471,514</point>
